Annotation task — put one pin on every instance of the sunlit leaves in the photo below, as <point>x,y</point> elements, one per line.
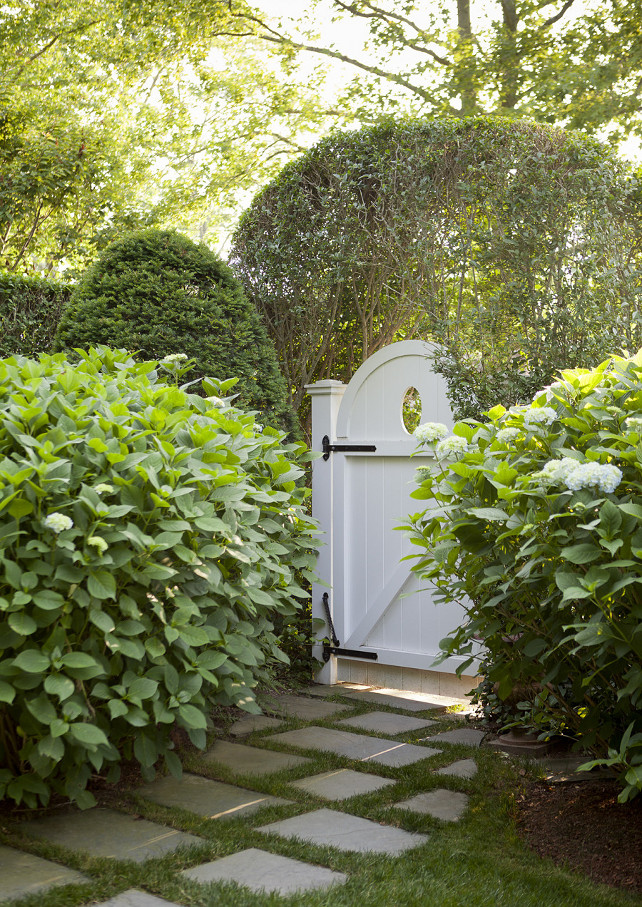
<point>103,651</point>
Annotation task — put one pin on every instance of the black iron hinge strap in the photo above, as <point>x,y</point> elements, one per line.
<point>326,605</point>
<point>328,448</point>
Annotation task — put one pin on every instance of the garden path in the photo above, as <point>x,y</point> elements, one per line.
<point>119,836</point>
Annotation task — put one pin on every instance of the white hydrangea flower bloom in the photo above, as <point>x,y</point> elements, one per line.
<point>450,446</point>
<point>507,434</point>
<point>634,423</point>
<point>430,432</point>
<point>103,488</point>
<point>174,357</point>
<point>603,476</point>
<point>557,470</point>
<point>58,522</point>
<point>97,542</point>
<point>535,416</point>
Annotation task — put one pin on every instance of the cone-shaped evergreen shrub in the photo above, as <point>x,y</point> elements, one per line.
<point>155,292</point>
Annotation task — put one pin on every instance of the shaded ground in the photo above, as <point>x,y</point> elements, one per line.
<point>582,826</point>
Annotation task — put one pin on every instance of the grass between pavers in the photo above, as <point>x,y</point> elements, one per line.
<point>476,862</point>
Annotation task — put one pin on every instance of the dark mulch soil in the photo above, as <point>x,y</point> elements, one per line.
<point>582,826</point>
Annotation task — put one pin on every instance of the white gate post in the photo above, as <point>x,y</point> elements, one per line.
<point>326,399</point>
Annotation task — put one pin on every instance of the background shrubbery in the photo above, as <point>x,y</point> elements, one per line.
<point>514,245</point>
<point>156,292</point>
<point>147,538</point>
<point>30,308</point>
<point>538,531</point>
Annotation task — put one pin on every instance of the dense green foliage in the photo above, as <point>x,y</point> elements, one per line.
<point>535,526</point>
<point>573,65</point>
<point>30,309</point>
<point>515,245</point>
<point>156,293</point>
<point>115,116</point>
<point>148,536</point>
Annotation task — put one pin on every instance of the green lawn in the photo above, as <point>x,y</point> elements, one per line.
<point>477,862</point>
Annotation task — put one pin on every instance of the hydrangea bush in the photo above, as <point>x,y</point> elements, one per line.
<point>535,526</point>
<point>147,537</point>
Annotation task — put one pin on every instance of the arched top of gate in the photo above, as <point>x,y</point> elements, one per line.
<point>373,402</point>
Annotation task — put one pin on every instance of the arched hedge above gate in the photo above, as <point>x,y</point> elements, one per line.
<point>512,243</point>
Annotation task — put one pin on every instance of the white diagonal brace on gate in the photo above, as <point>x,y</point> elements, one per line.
<point>379,606</point>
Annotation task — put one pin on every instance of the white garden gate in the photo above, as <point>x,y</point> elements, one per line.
<point>387,627</point>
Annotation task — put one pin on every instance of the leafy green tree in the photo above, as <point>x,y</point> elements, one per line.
<point>561,61</point>
<point>118,116</point>
<point>515,245</point>
<point>157,293</point>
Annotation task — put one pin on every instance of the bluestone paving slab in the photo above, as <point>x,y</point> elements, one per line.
<point>250,723</point>
<point>447,805</point>
<point>466,735</point>
<point>464,768</point>
<point>212,799</point>
<point>263,871</point>
<point>23,873</point>
<point>329,689</point>
<point>136,898</point>
<point>341,784</point>
<point>399,699</point>
<point>250,760</point>
<point>355,746</point>
<point>387,723</point>
<point>302,707</point>
<point>328,827</point>
<point>107,833</point>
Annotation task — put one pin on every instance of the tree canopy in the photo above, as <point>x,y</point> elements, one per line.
<point>515,245</point>
<point>566,62</point>
<point>115,116</point>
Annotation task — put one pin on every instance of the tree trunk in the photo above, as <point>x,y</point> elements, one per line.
<point>509,56</point>
<point>465,66</point>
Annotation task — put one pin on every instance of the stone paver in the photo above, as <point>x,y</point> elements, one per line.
<point>341,784</point>
<point>464,768</point>
<point>399,699</point>
<point>107,833</point>
<point>387,723</point>
<point>263,871</point>
<point>212,799</point>
<point>329,689</point>
<point>447,805</point>
<point>467,735</point>
<point>23,873</point>
<point>327,827</point>
<point>356,746</point>
<point>136,898</point>
<point>302,707</point>
<point>250,723</point>
<point>250,760</point>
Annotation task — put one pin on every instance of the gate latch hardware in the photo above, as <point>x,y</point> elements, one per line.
<point>344,448</point>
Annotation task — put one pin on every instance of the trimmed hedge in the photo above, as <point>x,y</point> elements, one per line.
<point>155,293</point>
<point>30,309</point>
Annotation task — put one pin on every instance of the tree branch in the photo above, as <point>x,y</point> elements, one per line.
<point>51,43</point>
<point>388,16</point>
<point>276,37</point>
<point>557,16</point>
